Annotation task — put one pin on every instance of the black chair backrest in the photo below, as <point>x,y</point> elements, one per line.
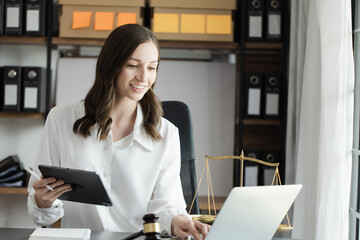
<point>179,114</point>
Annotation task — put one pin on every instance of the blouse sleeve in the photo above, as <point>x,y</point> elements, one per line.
<point>49,155</point>
<point>168,200</point>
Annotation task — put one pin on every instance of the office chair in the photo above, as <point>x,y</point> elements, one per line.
<point>178,113</point>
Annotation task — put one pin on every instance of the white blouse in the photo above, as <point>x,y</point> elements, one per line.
<point>140,175</point>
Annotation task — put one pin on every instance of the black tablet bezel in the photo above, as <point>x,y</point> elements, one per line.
<point>87,185</point>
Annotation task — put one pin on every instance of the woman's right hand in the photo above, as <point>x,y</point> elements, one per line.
<point>45,197</point>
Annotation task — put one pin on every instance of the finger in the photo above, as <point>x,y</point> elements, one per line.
<point>60,189</point>
<point>181,232</point>
<point>57,194</point>
<point>45,198</point>
<point>183,235</point>
<point>189,229</point>
<point>196,235</point>
<point>202,228</point>
<point>41,185</point>
<point>57,183</point>
<point>40,190</point>
<point>47,181</point>
<point>43,182</point>
<point>194,231</point>
<point>187,236</point>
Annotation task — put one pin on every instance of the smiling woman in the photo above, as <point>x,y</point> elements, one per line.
<point>130,47</point>
<point>119,132</point>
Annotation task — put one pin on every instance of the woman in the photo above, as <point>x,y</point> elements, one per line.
<point>118,132</point>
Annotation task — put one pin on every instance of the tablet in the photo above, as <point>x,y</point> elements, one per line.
<point>87,185</point>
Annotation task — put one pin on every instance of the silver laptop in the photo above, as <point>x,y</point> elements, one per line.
<point>253,213</point>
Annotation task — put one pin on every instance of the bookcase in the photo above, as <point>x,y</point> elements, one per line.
<point>261,133</point>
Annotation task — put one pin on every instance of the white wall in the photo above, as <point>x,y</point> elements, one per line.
<point>207,88</point>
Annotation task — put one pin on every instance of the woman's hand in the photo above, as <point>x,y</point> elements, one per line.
<point>183,227</point>
<point>45,197</point>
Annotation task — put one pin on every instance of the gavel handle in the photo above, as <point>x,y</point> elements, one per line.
<point>134,235</point>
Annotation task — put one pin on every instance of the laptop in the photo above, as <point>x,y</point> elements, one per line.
<point>253,213</point>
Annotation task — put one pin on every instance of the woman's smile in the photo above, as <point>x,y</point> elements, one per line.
<point>138,87</point>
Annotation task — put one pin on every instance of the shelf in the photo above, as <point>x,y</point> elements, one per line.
<point>273,46</point>
<point>14,190</point>
<point>22,115</point>
<point>78,41</point>
<point>22,40</point>
<point>199,45</point>
<point>262,122</point>
<point>203,203</point>
<point>163,43</point>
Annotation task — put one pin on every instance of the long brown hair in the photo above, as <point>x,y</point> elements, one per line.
<point>117,49</point>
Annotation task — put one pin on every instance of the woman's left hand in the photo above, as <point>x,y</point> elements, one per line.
<point>183,227</point>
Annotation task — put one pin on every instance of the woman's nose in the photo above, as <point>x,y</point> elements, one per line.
<point>142,74</point>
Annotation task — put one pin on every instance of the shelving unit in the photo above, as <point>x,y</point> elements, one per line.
<point>31,40</point>
<point>265,57</point>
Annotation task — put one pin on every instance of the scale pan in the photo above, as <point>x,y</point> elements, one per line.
<point>209,219</point>
<point>285,228</point>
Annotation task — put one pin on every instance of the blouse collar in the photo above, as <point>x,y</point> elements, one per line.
<point>139,134</point>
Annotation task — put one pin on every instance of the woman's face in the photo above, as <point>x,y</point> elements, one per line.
<point>138,73</point>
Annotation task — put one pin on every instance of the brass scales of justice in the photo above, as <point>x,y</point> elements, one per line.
<point>209,218</point>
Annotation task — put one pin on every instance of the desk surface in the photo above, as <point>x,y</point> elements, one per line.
<point>23,234</point>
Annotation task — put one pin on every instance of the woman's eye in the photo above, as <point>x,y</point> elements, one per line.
<point>152,68</point>
<point>132,66</point>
